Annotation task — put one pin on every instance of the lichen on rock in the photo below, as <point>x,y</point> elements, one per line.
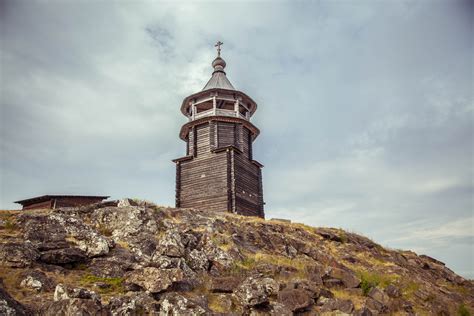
<point>134,257</point>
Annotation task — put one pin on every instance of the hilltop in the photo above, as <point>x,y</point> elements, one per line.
<point>129,258</point>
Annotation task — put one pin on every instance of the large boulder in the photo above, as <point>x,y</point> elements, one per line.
<point>331,304</point>
<point>64,292</point>
<point>82,235</point>
<point>224,284</point>
<point>17,255</point>
<point>8,305</point>
<point>219,259</point>
<point>171,245</point>
<point>257,291</point>
<point>117,262</point>
<point>296,300</point>
<point>74,306</point>
<point>379,296</point>
<point>153,279</point>
<point>127,221</point>
<point>133,304</point>
<point>63,256</point>
<point>197,260</point>
<point>174,304</point>
<point>347,277</point>
<point>57,230</point>
<point>36,280</point>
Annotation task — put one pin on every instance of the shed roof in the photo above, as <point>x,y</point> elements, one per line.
<point>43,198</point>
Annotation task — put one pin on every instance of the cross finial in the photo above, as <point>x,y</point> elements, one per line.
<point>218,45</point>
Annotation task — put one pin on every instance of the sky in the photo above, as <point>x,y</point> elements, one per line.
<point>365,107</point>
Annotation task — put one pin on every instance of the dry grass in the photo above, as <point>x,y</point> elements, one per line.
<point>253,260</point>
<point>114,284</point>
<point>11,280</point>
<point>123,244</point>
<point>223,241</point>
<point>372,261</point>
<point>357,300</point>
<point>371,279</point>
<point>10,228</point>
<point>409,288</point>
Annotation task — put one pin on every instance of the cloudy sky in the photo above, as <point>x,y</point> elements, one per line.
<point>365,107</point>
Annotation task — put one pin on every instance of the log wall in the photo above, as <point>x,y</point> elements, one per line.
<point>219,174</point>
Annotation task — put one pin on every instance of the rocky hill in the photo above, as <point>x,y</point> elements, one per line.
<point>135,258</point>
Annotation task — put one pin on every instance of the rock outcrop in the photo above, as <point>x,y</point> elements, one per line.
<point>134,258</point>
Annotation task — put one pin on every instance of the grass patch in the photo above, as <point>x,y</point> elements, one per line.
<point>410,288</point>
<point>222,241</point>
<point>372,261</point>
<point>104,231</point>
<point>251,261</point>
<point>463,311</point>
<point>123,244</point>
<point>357,300</point>
<point>9,218</point>
<point>114,284</point>
<point>370,280</point>
<point>10,225</point>
<point>216,305</point>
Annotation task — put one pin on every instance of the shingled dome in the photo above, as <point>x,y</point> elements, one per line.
<point>219,79</point>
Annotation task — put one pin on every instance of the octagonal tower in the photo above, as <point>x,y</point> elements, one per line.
<point>218,172</point>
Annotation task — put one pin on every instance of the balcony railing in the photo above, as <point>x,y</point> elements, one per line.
<point>219,112</point>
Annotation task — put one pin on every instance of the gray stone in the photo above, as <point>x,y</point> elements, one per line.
<point>379,296</point>
<point>174,304</point>
<point>348,278</point>
<point>36,280</point>
<point>197,260</point>
<point>64,292</point>
<point>17,255</point>
<point>155,280</point>
<point>170,244</point>
<point>133,304</point>
<point>295,300</point>
<point>8,305</point>
<point>255,291</point>
<point>74,306</point>
<point>224,284</point>
<point>345,306</point>
<point>63,256</point>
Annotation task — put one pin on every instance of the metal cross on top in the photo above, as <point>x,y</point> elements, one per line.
<point>218,45</point>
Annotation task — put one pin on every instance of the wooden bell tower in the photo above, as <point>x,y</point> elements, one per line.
<point>218,172</point>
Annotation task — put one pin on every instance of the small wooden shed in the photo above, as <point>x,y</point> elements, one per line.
<point>56,201</point>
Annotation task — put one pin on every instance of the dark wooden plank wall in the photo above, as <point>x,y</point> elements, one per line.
<point>226,132</point>
<point>62,202</point>
<point>44,204</point>
<point>220,181</point>
<point>74,201</point>
<point>247,186</point>
<point>246,142</point>
<point>203,180</point>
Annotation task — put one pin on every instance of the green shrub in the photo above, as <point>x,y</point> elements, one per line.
<point>115,284</point>
<point>366,286</point>
<point>10,225</point>
<point>370,280</point>
<point>463,311</point>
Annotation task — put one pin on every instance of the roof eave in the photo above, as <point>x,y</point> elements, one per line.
<point>192,96</point>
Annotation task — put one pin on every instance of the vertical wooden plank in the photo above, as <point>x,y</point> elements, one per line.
<point>178,185</point>
<point>260,193</point>
<point>229,182</point>
<point>194,141</point>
